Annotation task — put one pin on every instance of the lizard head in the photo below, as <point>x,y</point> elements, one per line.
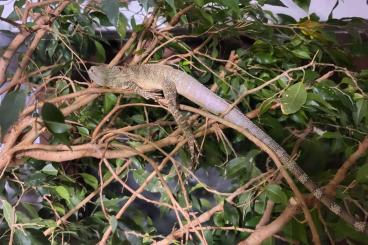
<point>106,76</point>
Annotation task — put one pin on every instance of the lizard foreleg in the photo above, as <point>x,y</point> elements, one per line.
<point>142,92</point>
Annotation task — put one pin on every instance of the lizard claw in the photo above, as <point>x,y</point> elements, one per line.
<point>194,150</point>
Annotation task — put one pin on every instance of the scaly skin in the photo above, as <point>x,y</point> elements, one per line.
<point>170,94</point>
<point>161,77</point>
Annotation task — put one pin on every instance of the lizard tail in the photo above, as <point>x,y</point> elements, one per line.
<point>190,88</point>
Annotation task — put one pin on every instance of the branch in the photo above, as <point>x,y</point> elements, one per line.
<point>341,173</point>
<point>275,226</point>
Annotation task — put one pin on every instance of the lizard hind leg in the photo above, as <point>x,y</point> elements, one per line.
<point>170,95</point>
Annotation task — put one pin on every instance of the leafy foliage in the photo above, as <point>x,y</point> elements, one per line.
<point>294,78</point>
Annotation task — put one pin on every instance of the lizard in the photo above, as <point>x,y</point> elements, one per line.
<point>149,78</point>
<point>170,95</point>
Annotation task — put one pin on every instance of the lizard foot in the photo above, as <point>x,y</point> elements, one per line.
<point>194,150</point>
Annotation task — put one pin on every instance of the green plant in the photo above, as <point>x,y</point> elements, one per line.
<point>295,81</point>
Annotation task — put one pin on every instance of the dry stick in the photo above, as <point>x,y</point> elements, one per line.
<point>264,147</point>
<point>267,213</point>
<point>90,196</point>
<point>235,228</point>
<point>105,119</point>
<point>27,56</point>
<point>208,214</point>
<point>105,136</point>
<point>147,23</point>
<point>16,130</point>
<point>4,62</point>
<point>10,51</point>
<point>266,231</point>
<point>65,217</point>
<point>274,157</point>
<point>80,95</point>
<point>31,5</point>
<point>11,22</point>
<point>131,190</point>
<point>139,190</point>
<point>75,153</point>
<point>87,199</point>
<point>174,20</point>
<point>83,100</point>
<point>123,50</point>
<point>256,89</point>
<point>184,192</point>
<point>288,214</point>
<point>9,141</point>
<point>116,108</point>
<point>157,171</point>
<point>138,58</point>
<point>342,171</point>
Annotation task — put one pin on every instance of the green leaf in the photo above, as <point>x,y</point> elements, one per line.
<point>54,119</point>
<point>50,170</point>
<point>54,122</point>
<point>121,26</point>
<point>19,3</point>
<point>113,223</point>
<point>293,98</point>
<point>266,105</point>
<point>295,230</point>
<point>231,4</point>
<point>231,214</point>
<point>243,168</point>
<point>90,180</point>
<point>24,237</point>
<point>1,9</point>
<point>59,208</point>
<point>362,174</point>
<point>72,8</point>
<point>265,58</point>
<point>304,4</point>
<point>37,178</point>
<point>63,193</point>
<point>199,3</point>
<point>276,194</point>
<point>57,128</point>
<point>84,132</point>
<point>109,102</point>
<point>12,104</point>
<point>208,235</point>
<point>207,16</point>
<point>111,9</point>
<point>8,212</point>
<point>361,110</point>
<point>218,219</point>
<point>310,76</point>
<point>171,4</point>
<point>136,28</point>
<point>302,52</point>
<point>100,55</point>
